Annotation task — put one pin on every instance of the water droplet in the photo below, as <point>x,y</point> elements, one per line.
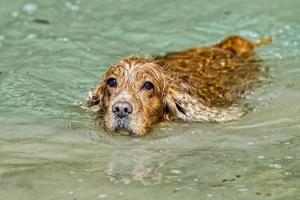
<point>289,157</point>
<point>15,14</point>
<point>72,7</point>
<point>209,195</point>
<point>64,39</point>
<point>175,171</point>
<point>278,55</point>
<point>127,181</point>
<point>31,36</point>
<point>30,8</point>
<point>260,157</point>
<point>242,189</point>
<point>102,196</point>
<point>275,166</point>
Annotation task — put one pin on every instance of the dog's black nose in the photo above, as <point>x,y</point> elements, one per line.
<point>122,109</point>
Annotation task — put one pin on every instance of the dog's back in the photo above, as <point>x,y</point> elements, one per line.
<point>217,74</point>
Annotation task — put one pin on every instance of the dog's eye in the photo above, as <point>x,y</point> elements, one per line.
<point>112,82</point>
<point>148,85</point>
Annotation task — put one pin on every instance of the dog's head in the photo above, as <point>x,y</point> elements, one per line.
<point>132,96</point>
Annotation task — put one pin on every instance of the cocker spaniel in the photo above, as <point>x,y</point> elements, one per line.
<point>196,85</point>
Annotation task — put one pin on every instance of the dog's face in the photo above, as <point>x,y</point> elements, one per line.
<point>131,96</point>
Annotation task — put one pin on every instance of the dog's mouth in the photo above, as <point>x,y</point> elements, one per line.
<point>122,126</point>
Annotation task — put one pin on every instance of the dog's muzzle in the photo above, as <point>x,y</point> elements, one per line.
<point>122,109</point>
<point>122,115</point>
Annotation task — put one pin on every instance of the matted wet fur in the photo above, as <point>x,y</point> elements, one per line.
<point>199,84</point>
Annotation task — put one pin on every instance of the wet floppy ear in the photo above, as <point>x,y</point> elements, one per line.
<point>96,96</point>
<point>172,105</point>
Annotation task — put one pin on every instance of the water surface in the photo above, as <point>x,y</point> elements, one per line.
<point>53,52</point>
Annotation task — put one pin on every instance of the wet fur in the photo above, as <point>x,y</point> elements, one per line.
<point>199,84</point>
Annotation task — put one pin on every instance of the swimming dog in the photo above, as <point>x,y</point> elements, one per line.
<point>195,85</point>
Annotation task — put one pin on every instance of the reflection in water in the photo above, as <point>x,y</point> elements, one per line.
<point>137,165</point>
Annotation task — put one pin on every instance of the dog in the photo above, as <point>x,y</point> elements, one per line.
<point>196,85</point>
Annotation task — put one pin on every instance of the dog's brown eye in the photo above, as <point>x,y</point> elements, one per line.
<point>112,82</point>
<point>148,85</point>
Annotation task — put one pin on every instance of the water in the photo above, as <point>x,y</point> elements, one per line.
<point>53,52</point>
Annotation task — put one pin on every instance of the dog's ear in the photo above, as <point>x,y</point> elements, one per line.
<point>173,108</point>
<point>96,95</point>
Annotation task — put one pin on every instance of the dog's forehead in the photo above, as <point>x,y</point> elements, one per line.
<point>135,69</point>
<point>134,66</point>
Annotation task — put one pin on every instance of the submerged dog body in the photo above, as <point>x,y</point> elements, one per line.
<point>199,84</point>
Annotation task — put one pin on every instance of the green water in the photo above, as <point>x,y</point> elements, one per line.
<point>53,52</point>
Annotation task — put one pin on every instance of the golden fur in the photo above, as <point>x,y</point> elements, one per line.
<point>199,84</point>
